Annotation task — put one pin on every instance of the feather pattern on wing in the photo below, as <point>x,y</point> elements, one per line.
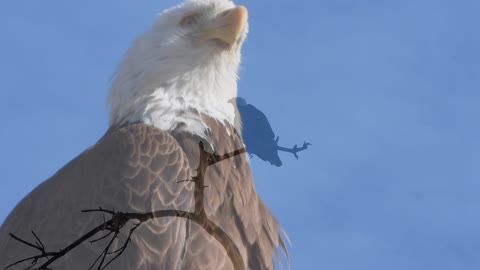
<point>170,92</point>
<point>136,168</point>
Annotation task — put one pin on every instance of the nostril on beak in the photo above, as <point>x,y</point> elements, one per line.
<point>225,13</point>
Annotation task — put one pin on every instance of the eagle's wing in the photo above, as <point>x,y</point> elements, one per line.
<point>257,123</point>
<point>132,169</point>
<point>137,168</point>
<point>233,204</point>
<point>258,134</point>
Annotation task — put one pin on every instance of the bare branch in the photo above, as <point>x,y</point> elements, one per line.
<point>294,150</point>
<point>119,220</point>
<point>100,238</point>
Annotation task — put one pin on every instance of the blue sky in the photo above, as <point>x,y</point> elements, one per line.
<point>388,92</point>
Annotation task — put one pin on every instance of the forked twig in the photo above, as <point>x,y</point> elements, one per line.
<point>119,220</point>
<point>294,150</point>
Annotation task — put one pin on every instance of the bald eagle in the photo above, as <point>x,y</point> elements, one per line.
<point>258,134</point>
<point>170,92</point>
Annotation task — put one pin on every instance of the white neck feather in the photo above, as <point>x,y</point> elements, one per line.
<point>168,92</point>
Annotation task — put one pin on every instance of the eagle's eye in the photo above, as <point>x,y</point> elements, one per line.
<point>189,20</point>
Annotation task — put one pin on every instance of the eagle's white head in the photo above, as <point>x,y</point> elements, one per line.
<point>184,66</point>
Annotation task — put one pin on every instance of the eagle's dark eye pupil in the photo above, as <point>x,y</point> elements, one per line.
<point>189,20</point>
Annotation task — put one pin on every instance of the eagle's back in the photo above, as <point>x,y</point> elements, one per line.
<point>139,168</point>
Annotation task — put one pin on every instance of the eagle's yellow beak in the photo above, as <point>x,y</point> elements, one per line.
<point>226,27</point>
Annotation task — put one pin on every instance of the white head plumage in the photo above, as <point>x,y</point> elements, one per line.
<point>186,64</point>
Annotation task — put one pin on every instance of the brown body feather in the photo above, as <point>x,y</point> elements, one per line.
<point>136,168</point>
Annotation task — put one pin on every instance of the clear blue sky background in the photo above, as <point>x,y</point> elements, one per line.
<point>388,92</point>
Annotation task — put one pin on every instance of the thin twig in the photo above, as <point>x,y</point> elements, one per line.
<point>120,219</point>
<point>294,150</point>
